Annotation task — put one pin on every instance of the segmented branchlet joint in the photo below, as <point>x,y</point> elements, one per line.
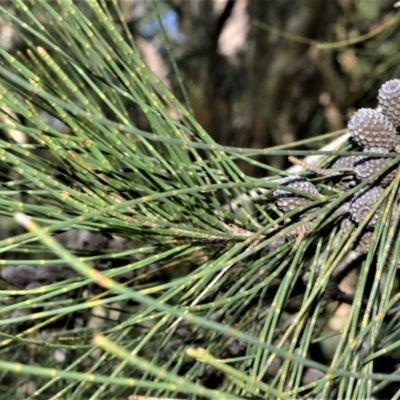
<point>288,201</point>
<point>389,100</point>
<point>370,128</point>
<point>365,166</point>
<point>363,202</point>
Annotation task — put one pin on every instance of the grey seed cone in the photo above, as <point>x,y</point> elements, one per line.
<point>370,128</point>
<point>362,204</point>
<point>344,162</point>
<point>389,100</point>
<point>362,243</point>
<point>288,201</point>
<point>345,180</point>
<point>364,167</point>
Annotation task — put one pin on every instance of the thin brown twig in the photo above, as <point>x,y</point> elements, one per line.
<point>301,163</point>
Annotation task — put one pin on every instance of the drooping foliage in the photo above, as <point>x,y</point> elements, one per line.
<point>140,260</point>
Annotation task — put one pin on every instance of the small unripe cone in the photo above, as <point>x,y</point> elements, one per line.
<point>370,128</point>
<point>288,201</point>
<point>364,167</point>
<point>389,100</point>
<point>362,204</point>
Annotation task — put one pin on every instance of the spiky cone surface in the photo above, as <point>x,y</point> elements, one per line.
<point>370,128</point>
<point>345,180</point>
<point>343,209</point>
<point>288,201</point>
<point>389,100</point>
<point>362,204</point>
<point>362,243</point>
<point>365,166</point>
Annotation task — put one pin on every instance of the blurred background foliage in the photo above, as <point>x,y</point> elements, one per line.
<point>266,73</point>
<point>142,177</point>
<point>261,74</point>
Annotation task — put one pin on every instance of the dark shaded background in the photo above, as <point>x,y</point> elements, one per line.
<point>253,71</point>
